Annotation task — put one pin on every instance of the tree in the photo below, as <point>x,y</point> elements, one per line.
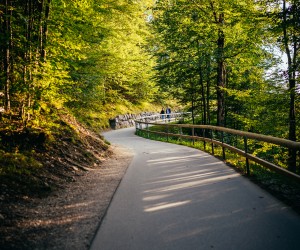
<point>24,29</point>
<point>208,36</point>
<point>285,23</point>
<point>6,46</point>
<point>291,41</point>
<point>82,54</point>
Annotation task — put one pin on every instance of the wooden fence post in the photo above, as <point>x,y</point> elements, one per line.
<point>167,133</point>
<point>147,130</point>
<point>204,140</point>
<point>246,152</point>
<point>193,134</point>
<point>212,143</point>
<point>180,131</point>
<point>223,149</point>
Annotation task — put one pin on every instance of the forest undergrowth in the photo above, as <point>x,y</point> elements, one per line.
<point>36,161</point>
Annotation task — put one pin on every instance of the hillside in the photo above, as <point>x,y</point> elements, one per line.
<point>54,183</point>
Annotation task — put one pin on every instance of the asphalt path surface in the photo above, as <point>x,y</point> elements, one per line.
<point>176,197</point>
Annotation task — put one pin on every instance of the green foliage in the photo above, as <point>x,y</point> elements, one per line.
<point>99,58</point>
<point>112,67</point>
<point>189,51</point>
<point>269,179</point>
<point>83,55</point>
<point>17,163</point>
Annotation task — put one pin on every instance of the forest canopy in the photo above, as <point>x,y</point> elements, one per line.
<point>223,60</point>
<point>96,58</point>
<point>87,56</point>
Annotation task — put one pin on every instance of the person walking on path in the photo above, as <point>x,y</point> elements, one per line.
<point>162,112</point>
<point>168,112</point>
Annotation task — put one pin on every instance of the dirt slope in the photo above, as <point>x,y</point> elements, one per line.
<point>60,205</point>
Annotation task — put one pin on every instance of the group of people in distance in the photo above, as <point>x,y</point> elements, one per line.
<point>165,113</point>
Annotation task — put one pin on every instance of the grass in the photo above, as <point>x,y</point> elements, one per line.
<point>19,163</point>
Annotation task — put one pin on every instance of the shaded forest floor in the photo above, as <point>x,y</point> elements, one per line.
<point>55,191</point>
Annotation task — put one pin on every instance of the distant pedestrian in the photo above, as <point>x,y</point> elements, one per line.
<point>162,112</point>
<point>168,112</point>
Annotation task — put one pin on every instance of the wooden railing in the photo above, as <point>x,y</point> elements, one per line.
<point>219,136</point>
<point>165,118</point>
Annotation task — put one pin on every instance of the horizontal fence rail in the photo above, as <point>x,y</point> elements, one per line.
<point>165,118</point>
<point>217,136</point>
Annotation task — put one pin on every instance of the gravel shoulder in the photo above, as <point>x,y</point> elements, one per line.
<point>69,217</point>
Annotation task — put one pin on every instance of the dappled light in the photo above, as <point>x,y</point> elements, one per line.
<point>188,187</point>
<point>192,183</point>
<point>63,221</point>
<point>176,197</point>
<point>173,159</point>
<point>181,174</point>
<point>163,205</point>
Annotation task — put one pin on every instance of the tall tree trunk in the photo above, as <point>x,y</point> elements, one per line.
<point>292,87</point>
<point>203,99</point>
<point>7,58</point>
<point>45,29</point>
<point>221,77</point>
<point>28,10</point>
<point>219,20</point>
<point>7,67</point>
<point>193,99</point>
<point>208,88</point>
<point>201,82</point>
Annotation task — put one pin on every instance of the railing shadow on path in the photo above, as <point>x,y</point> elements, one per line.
<point>175,197</point>
<point>218,136</point>
<point>183,186</point>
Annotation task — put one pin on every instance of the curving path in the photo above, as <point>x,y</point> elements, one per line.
<point>175,197</point>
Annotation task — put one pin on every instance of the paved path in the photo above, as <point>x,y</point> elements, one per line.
<point>175,197</point>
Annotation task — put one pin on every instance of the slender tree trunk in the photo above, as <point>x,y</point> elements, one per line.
<point>219,20</point>
<point>45,29</point>
<point>7,80</point>
<point>193,109</point>
<point>28,57</point>
<point>201,82</point>
<point>208,88</point>
<point>7,57</point>
<point>203,99</point>
<point>221,78</point>
<point>292,89</point>
<point>193,99</point>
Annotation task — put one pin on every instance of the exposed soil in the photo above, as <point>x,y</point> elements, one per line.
<point>61,205</point>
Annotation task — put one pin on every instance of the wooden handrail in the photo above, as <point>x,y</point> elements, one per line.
<point>246,135</point>
<point>249,135</point>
